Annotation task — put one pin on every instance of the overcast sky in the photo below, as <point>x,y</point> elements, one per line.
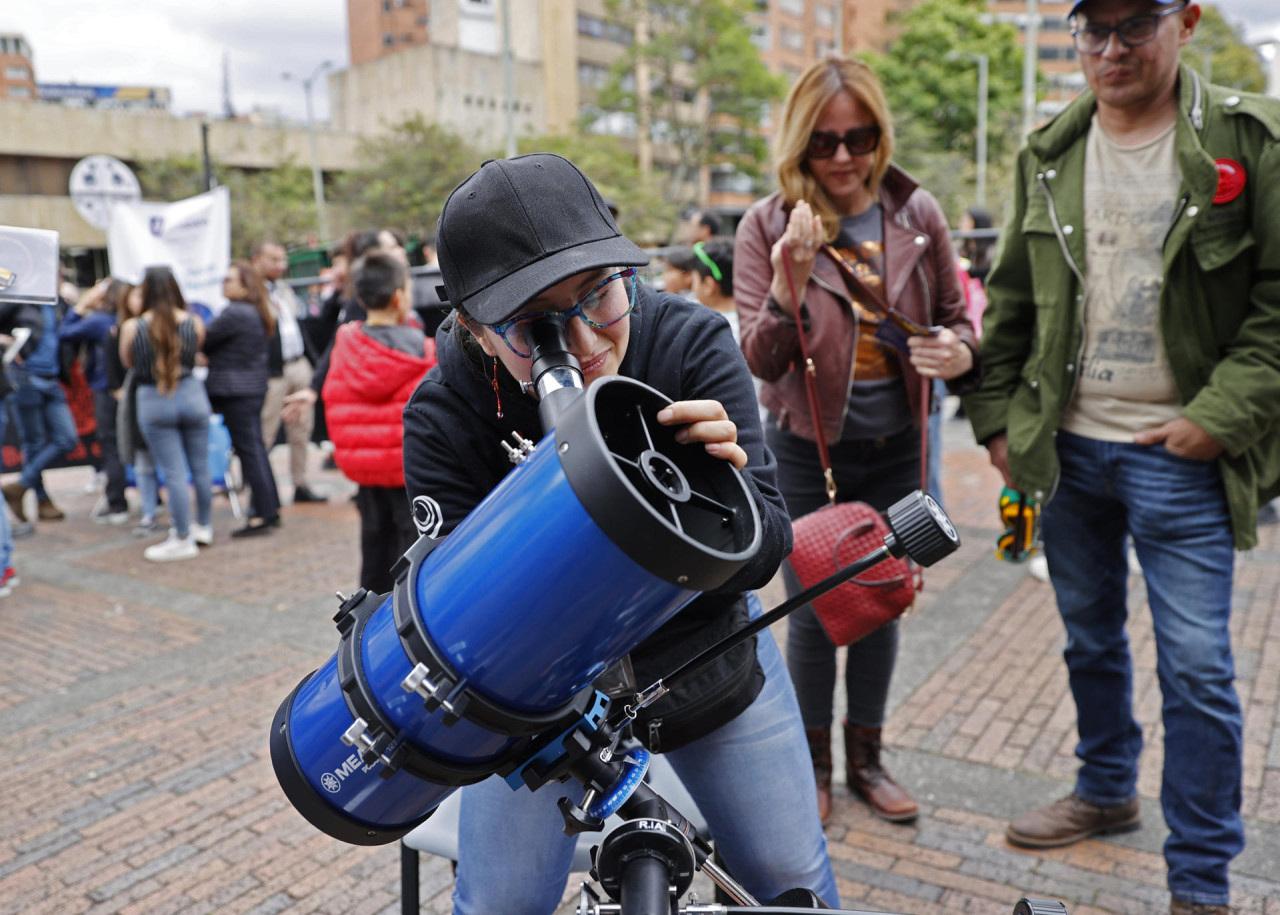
<point>180,44</point>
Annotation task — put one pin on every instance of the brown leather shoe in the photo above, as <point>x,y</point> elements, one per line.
<point>1071,820</point>
<point>1182,907</point>
<point>13,493</point>
<point>820,751</point>
<point>47,511</point>
<point>888,799</point>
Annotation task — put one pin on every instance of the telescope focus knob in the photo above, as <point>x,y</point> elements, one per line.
<point>1030,906</point>
<point>921,529</point>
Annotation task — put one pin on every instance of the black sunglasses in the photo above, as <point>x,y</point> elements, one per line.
<point>859,141</point>
<point>1134,31</point>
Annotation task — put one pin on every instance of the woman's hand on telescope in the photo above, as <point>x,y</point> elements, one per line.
<point>705,421</point>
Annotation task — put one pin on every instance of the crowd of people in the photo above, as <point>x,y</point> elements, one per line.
<point>1127,381</point>
<point>160,370</point>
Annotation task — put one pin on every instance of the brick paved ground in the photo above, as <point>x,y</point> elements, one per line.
<point>135,701</point>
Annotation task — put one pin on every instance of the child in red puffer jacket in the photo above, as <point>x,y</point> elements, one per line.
<point>374,367</point>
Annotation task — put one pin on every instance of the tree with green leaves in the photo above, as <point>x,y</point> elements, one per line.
<point>932,91</point>
<point>274,203</point>
<point>410,170</point>
<point>694,83</point>
<point>1218,51</point>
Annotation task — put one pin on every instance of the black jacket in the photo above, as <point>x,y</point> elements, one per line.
<point>686,351</point>
<point>236,344</point>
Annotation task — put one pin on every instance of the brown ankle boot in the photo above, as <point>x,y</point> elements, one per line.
<point>888,799</point>
<point>820,751</point>
<point>47,511</point>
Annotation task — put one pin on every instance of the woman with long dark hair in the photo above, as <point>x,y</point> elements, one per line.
<point>173,408</point>
<point>235,343</point>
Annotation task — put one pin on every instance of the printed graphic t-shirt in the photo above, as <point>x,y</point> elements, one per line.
<point>1125,383</point>
<point>878,404</point>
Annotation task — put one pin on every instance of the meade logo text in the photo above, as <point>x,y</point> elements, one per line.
<point>332,781</point>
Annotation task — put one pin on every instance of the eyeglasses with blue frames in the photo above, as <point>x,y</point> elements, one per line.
<point>597,308</point>
<point>1134,31</point>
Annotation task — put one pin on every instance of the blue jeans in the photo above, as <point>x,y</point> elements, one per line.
<point>6,531</point>
<point>176,428</point>
<point>45,425</point>
<point>1175,510</point>
<point>144,474</point>
<point>752,779</point>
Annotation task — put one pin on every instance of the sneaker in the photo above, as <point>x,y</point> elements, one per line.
<point>304,494</point>
<point>1070,820</point>
<point>1182,907</point>
<point>24,530</point>
<point>146,527</point>
<point>172,549</point>
<point>13,493</point>
<point>10,578</point>
<point>5,590</point>
<point>202,533</point>
<point>115,519</point>
<point>47,511</point>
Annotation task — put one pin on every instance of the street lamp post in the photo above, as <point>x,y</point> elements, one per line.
<point>983,61</point>
<point>317,179</point>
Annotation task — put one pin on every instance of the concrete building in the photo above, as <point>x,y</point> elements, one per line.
<point>17,75</point>
<point>42,143</point>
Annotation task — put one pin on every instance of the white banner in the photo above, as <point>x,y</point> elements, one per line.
<point>192,237</point>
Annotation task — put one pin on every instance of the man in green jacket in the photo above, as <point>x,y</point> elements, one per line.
<point>1132,352</point>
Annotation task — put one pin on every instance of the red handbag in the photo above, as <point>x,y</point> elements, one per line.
<point>828,540</point>
<point>837,534</point>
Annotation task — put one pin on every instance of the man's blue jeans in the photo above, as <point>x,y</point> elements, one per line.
<point>751,778</point>
<point>45,424</point>
<point>1176,511</point>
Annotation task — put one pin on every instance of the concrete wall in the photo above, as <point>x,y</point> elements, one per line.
<point>72,133</point>
<point>447,86</point>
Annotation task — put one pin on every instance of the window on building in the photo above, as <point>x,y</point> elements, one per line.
<point>4,44</point>
<point>17,73</point>
<point>1054,24</point>
<point>386,6</point>
<point>590,26</point>
<point>760,36</point>
<point>794,7</point>
<point>824,16</point>
<point>823,46</point>
<point>592,75</point>
<point>388,40</point>
<point>792,39</point>
<point>19,92</point>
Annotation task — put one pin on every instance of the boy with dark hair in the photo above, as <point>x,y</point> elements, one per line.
<point>374,367</point>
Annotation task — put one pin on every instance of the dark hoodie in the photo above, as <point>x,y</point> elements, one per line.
<point>452,454</point>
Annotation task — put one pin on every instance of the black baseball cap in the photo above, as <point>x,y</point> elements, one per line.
<point>519,226</point>
<point>1076,7</point>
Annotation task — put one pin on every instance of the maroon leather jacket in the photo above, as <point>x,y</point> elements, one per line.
<point>920,282</point>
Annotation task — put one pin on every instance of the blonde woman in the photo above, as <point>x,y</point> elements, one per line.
<point>842,198</point>
<point>160,345</point>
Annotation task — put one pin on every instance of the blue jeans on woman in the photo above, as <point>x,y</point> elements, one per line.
<point>6,530</point>
<point>176,428</point>
<point>45,425</point>
<point>751,778</point>
<point>1176,511</point>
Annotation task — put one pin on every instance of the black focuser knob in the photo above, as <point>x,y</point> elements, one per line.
<point>921,529</point>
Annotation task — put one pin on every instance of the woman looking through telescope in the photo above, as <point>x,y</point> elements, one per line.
<point>524,240</point>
